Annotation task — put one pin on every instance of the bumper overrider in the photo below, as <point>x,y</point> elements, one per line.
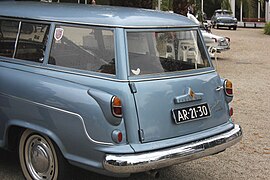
<point>146,161</point>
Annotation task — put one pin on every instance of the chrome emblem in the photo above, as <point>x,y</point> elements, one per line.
<point>191,93</point>
<point>189,96</point>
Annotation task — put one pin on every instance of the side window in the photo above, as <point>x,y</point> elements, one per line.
<point>83,48</point>
<point>32,42</point>
<point>8,34</point>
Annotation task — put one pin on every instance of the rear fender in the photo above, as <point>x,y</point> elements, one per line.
<point>39,129</point>
<point>104,101</point>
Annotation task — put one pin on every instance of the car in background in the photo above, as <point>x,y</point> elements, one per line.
<point>223,18</point>
<point>214,43</point>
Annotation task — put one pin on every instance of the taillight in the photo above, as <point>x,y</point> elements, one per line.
<point>116,107</point>
<point>117,136</point>
<point>228,87</point>
<point>231,111</point>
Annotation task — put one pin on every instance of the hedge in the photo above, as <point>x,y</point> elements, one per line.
<point>267,28</point>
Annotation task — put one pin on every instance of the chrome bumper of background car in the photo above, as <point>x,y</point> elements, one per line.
<point>226,24</point>
<point>222,48</point>
<point>140,162</point>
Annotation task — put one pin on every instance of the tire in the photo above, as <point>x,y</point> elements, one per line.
<point>235,27</point>
<point>40,158</point>
<point>217,26</point>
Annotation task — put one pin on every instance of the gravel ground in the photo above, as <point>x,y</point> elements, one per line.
<point>247,64</point>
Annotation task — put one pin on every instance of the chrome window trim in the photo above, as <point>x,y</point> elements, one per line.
<point>17,39</point>
<point>62,110</point>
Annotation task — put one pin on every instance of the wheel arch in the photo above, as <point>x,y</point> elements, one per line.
<point>15,128</point>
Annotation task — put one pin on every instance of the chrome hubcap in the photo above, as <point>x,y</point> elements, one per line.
<point>39,158</point>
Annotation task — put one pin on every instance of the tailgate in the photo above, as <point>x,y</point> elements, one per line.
<point>179,106</point>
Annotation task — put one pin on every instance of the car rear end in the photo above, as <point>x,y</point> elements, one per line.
<point>182,105</point>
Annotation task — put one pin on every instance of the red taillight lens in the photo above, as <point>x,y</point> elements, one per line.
<point>116,106</point>
<point>117,136</point>
<point>228,87</point>
<point>120,137</point>
<point>231,111</point>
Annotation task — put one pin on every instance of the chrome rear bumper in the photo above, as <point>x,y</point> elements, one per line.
<point>140,162</point>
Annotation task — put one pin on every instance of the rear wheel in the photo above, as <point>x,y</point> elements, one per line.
<point>40,158</point>
<point>235,27</point>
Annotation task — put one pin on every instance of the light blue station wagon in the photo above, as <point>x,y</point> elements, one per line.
<point>109,89</point>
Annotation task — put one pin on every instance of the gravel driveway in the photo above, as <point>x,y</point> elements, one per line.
<point>247,64</point>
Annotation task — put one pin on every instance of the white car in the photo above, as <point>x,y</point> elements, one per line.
<point>212,41</point>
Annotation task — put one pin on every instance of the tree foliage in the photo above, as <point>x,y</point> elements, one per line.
<point>225,4</point>
<point>267,28</point>
<point>250,7</point>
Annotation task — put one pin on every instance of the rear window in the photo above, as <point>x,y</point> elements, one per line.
<point>83,48</point>
<point>165,52</point>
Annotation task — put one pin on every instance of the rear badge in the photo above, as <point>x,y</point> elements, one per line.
<point>189,96</point>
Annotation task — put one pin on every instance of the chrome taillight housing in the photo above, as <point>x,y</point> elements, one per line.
<point>116,106</point>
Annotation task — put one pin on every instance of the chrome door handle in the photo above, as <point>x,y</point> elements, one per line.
<point>219,88</point>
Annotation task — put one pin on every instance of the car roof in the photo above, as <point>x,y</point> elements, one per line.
<point>93,14</point>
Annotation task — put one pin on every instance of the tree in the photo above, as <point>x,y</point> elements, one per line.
<point>225,4</point>
<point>132,3</point>
<point>250,7</point>
<point>166,5</point>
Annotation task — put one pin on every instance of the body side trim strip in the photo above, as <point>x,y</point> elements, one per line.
<point>62,110</point>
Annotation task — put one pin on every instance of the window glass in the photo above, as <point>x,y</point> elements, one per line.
<point>83,48</point>
<point>32,42</point>
<point>8,34</point>
<point>163,52</point>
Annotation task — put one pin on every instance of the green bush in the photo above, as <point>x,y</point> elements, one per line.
<point>267,28</point>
